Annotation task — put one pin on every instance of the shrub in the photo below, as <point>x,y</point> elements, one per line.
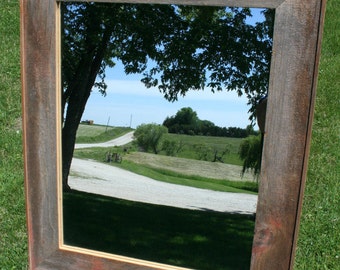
<point>251,153</point>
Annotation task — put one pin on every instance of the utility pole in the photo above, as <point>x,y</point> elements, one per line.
<point>107,124</point>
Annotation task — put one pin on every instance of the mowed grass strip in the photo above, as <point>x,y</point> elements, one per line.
<point>180,237</point>
<point>192,180</point>
<point>208,169</point>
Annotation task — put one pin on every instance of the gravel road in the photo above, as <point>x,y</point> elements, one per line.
<point>99,178</point>
<point>128,137</point>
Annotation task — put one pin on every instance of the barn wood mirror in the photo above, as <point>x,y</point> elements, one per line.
<point>180,236</point>
<point>297,34</point>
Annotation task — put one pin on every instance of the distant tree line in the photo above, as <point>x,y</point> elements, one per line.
<point>187,122</point>
<point>148,138</point>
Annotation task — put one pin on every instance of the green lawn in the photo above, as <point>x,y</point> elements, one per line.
<point>319,238</point>
<point>13,238</point>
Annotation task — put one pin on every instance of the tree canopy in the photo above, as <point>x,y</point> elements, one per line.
<point>176,48</point>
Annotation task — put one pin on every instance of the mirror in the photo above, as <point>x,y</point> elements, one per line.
<point>196,153</point>
<point>297,35</point>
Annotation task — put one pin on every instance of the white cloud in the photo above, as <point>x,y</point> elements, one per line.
<point>137,88</point>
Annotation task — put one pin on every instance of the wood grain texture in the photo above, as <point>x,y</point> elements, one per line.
<point>38,47</point>
<point>290,103</point>
<point>296,50</point>
<point>228,3</point>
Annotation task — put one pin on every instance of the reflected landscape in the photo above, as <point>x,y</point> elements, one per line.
<point>167,192</point>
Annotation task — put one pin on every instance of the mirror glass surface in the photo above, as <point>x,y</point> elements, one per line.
<point>195,75</point>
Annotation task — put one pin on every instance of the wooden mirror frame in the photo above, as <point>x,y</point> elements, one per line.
<point>294,68</point>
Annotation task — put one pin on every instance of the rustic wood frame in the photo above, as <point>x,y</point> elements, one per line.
<point>294,68</point>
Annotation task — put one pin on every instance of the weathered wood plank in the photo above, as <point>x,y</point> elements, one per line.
<point>38,47</point>
<point>289,114</point>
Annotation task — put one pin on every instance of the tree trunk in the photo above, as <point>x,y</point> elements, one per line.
<point>80,89</point>
<point>74,112</point>
<point>75,109</point>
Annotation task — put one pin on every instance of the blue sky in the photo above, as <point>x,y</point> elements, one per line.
<point>129,102</point>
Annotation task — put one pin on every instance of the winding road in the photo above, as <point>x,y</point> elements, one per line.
<point>99,178</point>
<point>126,138</point>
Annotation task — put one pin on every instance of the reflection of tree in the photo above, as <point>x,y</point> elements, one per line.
<point>250,153</point>
<point>177,48</point>
<point>148,136</point>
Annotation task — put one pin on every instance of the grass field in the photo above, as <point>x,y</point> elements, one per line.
<point>99,133</point>
<point>210,144</point>
<point>319,237</point>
